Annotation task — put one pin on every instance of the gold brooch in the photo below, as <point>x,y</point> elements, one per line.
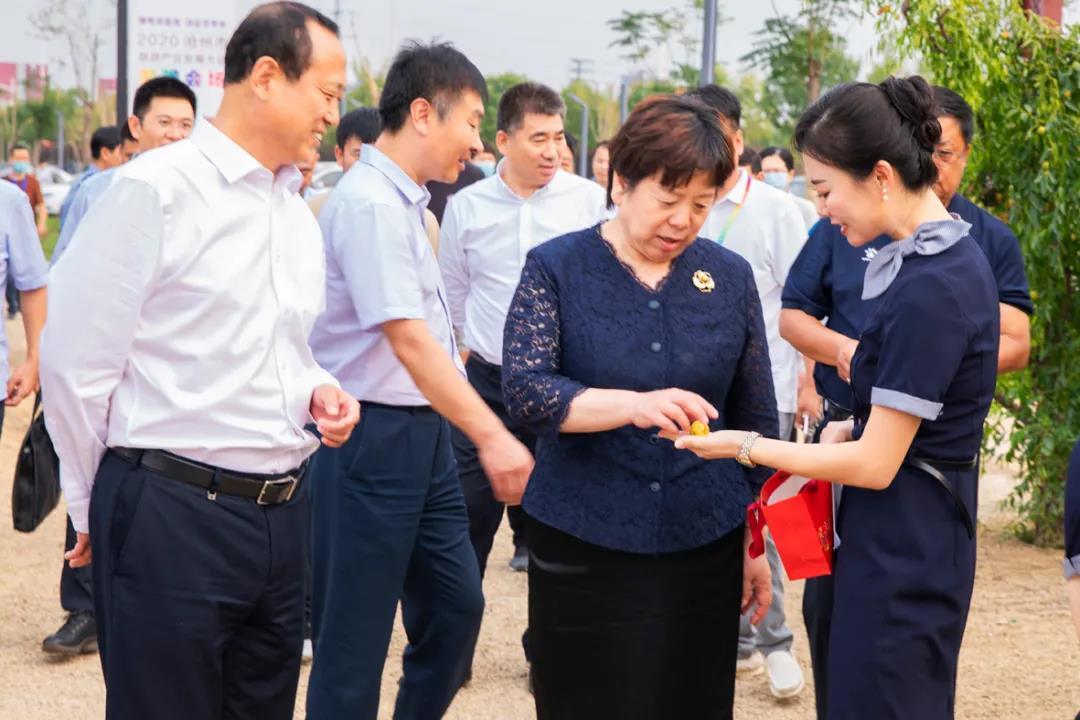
<point>703,281</point>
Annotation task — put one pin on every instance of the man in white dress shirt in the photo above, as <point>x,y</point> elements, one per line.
<point>179,381</point>
<point>764,226</point>
<point>389,515</point>
<point>488,229</point>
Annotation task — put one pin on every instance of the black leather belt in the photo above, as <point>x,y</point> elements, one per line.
<point>933,468</point>
<point>263,489</point>
<point>834,412</point>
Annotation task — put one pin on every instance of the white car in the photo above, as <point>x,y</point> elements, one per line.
<point>326,176</point>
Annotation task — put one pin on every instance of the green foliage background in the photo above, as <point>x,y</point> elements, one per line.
<point>1022,76</point>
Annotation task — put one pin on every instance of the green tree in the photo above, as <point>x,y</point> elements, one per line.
<point>603,112</point>
<point>1022,76</point>
<point>674,32</point>
<point>801,55</point>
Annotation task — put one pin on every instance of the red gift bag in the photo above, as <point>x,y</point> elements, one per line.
<point>799,514</point>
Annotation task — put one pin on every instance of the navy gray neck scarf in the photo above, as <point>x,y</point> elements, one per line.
<point>929,238</point>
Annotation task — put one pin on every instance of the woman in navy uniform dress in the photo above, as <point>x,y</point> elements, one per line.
<point>922,379</point>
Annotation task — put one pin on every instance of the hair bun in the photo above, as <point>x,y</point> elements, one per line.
<point>913,99</point>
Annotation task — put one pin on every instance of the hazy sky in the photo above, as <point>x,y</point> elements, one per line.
<point>537,39</point>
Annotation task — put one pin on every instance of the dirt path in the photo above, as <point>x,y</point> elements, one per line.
<point>1020,660</point>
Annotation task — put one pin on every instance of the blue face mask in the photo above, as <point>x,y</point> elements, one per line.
<point>487,167</point>
<point>777,179</point>
<point>22,167</point>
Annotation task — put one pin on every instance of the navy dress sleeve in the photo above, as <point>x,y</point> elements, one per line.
<point>922,343</point>
<point>806,288</point>
<point>1072,516</point>
<point>751,403</point>
<point>536,395</point>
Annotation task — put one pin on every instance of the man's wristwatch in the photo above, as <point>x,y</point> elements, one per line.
<point>743,456</point>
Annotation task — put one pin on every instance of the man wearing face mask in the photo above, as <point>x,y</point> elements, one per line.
<point>826,281</point>
<point>163,112</point>
<point>487,230</point>
<point>486,160</point>
<point>778,166</point>
<point>22,176</point>
<point>180,415</point>
<point>763,225</point>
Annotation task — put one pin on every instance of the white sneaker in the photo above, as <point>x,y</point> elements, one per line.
<point>785,676</point>
<point>308,652</point>
<point>751,665</point>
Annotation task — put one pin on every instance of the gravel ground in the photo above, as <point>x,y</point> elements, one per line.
<point>1020,659</point>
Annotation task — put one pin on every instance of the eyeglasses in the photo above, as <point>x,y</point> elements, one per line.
<point>948,157</point>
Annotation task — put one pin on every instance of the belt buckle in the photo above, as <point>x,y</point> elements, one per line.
<point>267,484</point>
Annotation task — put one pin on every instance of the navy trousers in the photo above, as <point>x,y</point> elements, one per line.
<point>198,602</point>
<point>76,584</point>
<point>390,524</point>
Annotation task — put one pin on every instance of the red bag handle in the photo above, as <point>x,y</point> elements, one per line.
<point>755,520</point>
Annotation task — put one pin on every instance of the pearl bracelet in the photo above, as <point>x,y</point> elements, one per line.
<point>743,456</point>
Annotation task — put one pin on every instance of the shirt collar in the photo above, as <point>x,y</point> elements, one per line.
<point>234,162</point>
<point>415,194</point>
<point>539,192</point>
<point>930,238</point>
<point>738,191</point>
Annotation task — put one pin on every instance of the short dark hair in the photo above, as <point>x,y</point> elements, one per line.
<point>571,141</point>
<point>125,133</point>
<point>19,145</point>
<point>276,30</point>
<point>750,157</point>
<point>107,137</point>
<point>673,136</point>
<point>854,125</point>
<point>437,72</point>
<point>524,98</point>
<point>783,153</point>
<point>721,100</point>
<point>952,104</point>
<point>362,123</point>
<point>163,86</point>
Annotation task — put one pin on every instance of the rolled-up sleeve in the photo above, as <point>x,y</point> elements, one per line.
<point>26,265</point>
<point>536,395</point>
<point>751,402</point>
<point>805,287</point>
<point>95,302</point>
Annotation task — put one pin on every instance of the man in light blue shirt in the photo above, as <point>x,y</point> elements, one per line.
<point>163,112</point>
<point>22,259</point>
<point>389,516</point>
<point>106,151</point>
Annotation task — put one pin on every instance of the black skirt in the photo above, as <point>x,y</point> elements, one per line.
<point>621,635</point>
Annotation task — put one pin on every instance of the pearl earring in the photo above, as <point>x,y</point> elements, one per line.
<point>884,194</point>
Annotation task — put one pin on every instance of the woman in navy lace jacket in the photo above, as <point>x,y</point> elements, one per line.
<point>618,333</point>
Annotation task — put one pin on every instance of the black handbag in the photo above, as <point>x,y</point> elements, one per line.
<point>36,490</point>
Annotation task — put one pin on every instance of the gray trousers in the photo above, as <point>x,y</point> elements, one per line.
<point>772,633</point>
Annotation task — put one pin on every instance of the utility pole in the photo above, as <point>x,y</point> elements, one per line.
<point>121,61</point>
<point>580,67</point>
<point>708,44</point>
<point>624,92</point>
<point>583,144</point>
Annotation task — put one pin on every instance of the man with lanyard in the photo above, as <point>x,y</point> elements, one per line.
<point>162,112</point>
<point>488,229</point>
<point>826,281</point>
<point>390,518</point>
<point>764,226</point>
<point>179,384</point>
<point>106,151</point>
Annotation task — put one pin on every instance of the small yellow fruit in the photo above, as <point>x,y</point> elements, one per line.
<point>1041,130</point>
<point>699,428</point>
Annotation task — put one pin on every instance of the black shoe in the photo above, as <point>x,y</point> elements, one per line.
<point>77,636</point>
<point>520,561</point>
